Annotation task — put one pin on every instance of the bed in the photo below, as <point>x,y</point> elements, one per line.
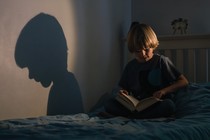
<point>190,122</point>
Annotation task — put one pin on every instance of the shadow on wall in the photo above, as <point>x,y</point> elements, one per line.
<point>41,47</point>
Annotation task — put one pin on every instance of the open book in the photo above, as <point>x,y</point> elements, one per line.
<point>132,103</point>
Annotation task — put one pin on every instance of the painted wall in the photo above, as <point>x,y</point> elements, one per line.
<point>93,31</point>
<point>159,14</point>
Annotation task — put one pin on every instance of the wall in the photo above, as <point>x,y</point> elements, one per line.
<point>102,25</point>
<point>93,31</point>
<point>160,14</point>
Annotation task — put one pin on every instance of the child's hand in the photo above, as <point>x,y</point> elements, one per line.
<point>123,91</point>
<point>159,94</point>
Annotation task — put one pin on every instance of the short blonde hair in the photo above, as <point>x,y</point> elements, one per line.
<point>141,36</point>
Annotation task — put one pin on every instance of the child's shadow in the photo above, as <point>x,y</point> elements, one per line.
<point>41,47</point>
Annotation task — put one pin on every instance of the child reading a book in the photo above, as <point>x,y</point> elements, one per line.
<point>148,74</point>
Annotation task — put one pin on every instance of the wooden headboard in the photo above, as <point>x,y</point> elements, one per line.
<point>190,54</point>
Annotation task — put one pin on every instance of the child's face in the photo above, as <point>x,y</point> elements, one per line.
<point>144,55</point>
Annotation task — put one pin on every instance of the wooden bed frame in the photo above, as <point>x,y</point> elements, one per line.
<point>190,54</point>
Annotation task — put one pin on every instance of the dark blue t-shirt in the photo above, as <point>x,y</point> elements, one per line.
<point>143,79</point>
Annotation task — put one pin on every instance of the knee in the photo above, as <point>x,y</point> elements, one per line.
<point>169,105</point>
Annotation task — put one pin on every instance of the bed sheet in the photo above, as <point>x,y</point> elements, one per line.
<point>191,122</point>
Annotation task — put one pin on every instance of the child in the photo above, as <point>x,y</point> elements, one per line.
<point>149,74</point>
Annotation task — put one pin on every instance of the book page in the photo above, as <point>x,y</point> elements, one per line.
<point>145,103</point>
<point>125,103</point>
<point>149,99</point>
<point>130,99</point>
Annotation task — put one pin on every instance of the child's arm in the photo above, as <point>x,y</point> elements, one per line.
<point>178,84</point>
